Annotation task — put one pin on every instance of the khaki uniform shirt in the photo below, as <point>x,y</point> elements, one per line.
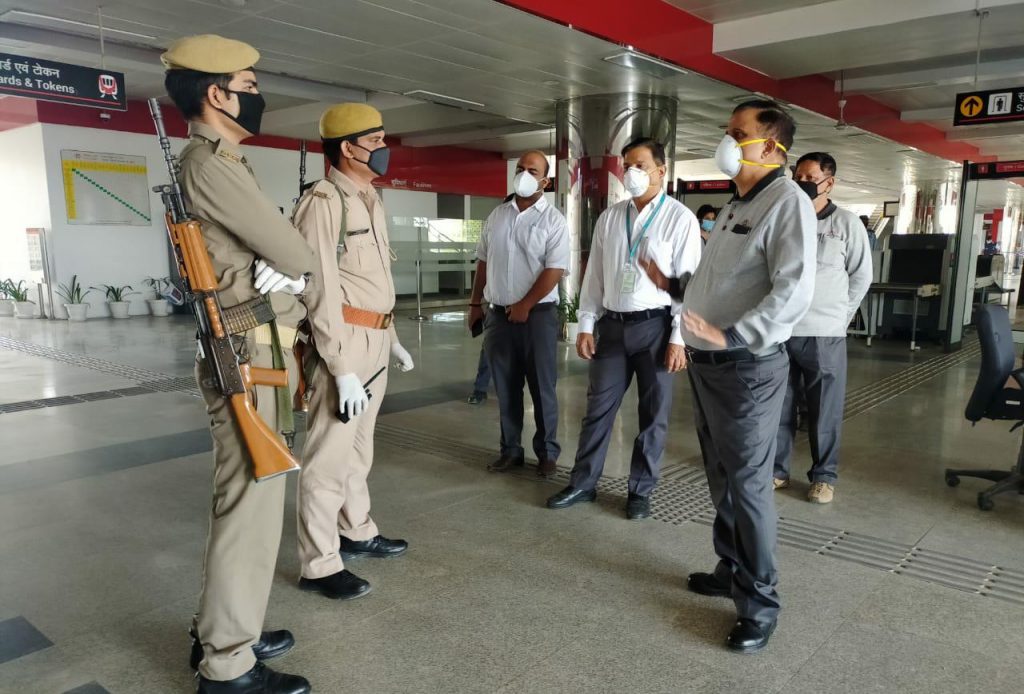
<point>240,223</point>
<point>354,267</point>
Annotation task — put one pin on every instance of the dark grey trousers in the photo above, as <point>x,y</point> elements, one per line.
<point>817,370</point>
<point>624,349</point>
<point>525,354</point>
<point>737,406</point>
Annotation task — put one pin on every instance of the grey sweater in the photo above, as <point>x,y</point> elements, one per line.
<point>756,276</point>
<point>843,276</point>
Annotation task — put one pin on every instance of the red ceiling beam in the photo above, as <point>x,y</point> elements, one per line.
<point>666,32</point>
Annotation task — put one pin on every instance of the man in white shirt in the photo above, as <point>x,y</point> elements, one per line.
<point>636,331</point>
<point>522,254</point>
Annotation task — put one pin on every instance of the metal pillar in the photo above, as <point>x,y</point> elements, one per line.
<point>590,132</point>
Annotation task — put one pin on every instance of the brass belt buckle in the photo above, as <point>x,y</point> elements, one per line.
<point>386,323</point>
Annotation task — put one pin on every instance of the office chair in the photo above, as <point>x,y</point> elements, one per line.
<point>995,396</point>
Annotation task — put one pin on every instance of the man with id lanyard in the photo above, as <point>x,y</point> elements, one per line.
<point>636,331</point>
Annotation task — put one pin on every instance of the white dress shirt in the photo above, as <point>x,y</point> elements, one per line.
<point>518,246</point>
<point>672,240</point>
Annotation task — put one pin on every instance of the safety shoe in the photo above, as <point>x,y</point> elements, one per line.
<point>821,493</point>
<point>259,680</point>
<point>506,463</point>
<point>546,467</point>
<point>379,547</point>
<point>780,483</point>
<point>270,645</point>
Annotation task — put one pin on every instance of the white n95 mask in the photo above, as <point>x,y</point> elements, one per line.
<point>637,181</point>
<point>524,184</point>
<point>729,155</point>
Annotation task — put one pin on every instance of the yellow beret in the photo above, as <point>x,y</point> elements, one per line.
<point>350,120</point>
<point>209,53</point>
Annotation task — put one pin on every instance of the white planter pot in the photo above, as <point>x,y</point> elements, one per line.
<point>26,309</point>
<point>572,330</point>
<point>6,307</point>
<point>77,312</point>
<point>159,307</point>
<point>119,309</point>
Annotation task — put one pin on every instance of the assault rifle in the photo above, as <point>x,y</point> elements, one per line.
<point>235,379</point>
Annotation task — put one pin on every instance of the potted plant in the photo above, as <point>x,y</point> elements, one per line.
<point>74,295</point>
<point>115,299</point>
<point>6,302</point>
<point>158,306</point>
<point>19,293</point>
<point>567,309</point>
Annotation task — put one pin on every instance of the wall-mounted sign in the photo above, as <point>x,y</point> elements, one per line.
<point>715,186</point>
<point>101,188</point>
<point>999,169</point>
<point>993,106</point>
<point>47,80</point>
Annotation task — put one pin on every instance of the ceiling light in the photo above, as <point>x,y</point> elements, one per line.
<point>441,98</point>
<point>651,66</point>
<point>73,22</point>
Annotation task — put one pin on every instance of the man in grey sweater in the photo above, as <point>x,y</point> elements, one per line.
<point>754,283</point>
<point>817,350</point>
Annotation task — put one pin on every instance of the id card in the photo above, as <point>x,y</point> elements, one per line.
<point>630,279</point>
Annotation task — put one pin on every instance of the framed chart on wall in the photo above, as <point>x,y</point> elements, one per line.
<point>103,188</point>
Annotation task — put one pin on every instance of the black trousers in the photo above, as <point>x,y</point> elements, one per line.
<point>525,354</point>
<point>737,406</point>
<point>817,372</point>
<point>625,349</point>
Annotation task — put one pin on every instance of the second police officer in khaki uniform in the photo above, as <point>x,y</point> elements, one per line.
<point>253,250</point>
<point>350,322</point>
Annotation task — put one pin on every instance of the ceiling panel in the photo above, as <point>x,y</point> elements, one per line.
<point>715,11</point>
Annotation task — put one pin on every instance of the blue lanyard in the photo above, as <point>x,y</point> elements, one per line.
<point>631,247</point>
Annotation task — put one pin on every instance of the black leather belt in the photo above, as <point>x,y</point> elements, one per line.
<point>637,316</point>
<point>538,307</point>
<point>726,356</point>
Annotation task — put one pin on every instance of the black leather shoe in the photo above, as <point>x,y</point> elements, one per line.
<point>343,585</point>
<point>638,507</point>
<point>749,636</point>
<point>546,467</point>
<point>380,547</point>
<point>570,496</point>
<point>259,680</point>
<point>477,399</point>
<point>708,584</point>
<point>505,463</point>
<point>270,645</point>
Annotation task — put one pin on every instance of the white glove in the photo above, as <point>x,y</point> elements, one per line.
<point>270,280</point>
<point>403,360</point>
<point>351,395</point>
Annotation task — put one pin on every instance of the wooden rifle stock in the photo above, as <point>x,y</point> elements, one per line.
<point>270,456</point>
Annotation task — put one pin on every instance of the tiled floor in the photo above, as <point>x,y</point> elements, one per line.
<point>103,510</point>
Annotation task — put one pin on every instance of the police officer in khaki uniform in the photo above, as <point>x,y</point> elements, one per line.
<point>350,325</point>
<point>254,250</point>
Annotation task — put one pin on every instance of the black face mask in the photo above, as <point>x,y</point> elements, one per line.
<point>378,161</point>
<point>809,187</point>
<point>250,111</point>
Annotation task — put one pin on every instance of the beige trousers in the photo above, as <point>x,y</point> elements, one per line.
<point>245,532</point>
<point>333,497</point>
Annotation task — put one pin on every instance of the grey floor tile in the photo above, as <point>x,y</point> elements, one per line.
<point>861,659</point>
<point>19,637</point>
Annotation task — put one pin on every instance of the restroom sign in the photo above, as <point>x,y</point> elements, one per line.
<point>993,106</point>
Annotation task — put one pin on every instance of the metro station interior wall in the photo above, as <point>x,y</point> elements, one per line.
<point>24,202</point>
<point>404,205</point>
<point>121,255</point>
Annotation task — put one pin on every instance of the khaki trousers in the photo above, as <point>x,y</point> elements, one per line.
<point>245,532</point>
<point>333,497</point>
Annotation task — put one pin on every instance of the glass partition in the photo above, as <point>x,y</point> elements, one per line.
<point>435,258</point>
